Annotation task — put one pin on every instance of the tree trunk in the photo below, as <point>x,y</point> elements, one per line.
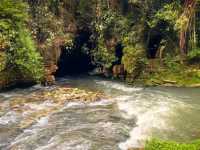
<point>189,12</point>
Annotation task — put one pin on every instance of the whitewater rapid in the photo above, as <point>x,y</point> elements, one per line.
<point>128,119</point>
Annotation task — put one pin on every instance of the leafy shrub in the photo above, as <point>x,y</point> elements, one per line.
<point>134,54</point>
<point>172,63</point>
<point>156,144</point>
<point>22,55</point>
<point>194,54</point>
<point>25,57</point>
<point>102,54</point>
<point>169,13</point>
<point>132,59</point>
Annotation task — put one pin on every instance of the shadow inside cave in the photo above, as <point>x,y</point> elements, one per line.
<point>76,59</point>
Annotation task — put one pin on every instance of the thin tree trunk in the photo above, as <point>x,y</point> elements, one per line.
<point>194,31</point>
<point>189,11</point>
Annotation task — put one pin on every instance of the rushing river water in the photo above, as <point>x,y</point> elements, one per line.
<point>131,116</point>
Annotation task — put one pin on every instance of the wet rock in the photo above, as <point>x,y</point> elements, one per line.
<point>50,69</point>
<point>118,71</point>
<point>73,94</point>
<point>43,103</point>
<point>107,72</point>
<point>96,71</point>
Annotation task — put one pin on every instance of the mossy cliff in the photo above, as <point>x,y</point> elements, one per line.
<point>138,40</point>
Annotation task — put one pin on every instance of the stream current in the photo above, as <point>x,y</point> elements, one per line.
<point>131,116</point>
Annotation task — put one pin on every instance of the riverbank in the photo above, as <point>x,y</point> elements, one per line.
<point>175,75</point>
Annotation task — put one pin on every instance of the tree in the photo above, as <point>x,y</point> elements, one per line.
<point>187,19</point>
<point>22,55</point>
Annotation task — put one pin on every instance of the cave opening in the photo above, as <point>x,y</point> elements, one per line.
<point>77,59</point>
<point>155,37</point>
<point>118,53</point>
<point>153,45</point>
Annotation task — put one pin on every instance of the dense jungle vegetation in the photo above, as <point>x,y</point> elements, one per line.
<point>157,42</point>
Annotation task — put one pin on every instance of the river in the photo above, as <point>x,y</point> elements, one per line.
<point>131,116</point>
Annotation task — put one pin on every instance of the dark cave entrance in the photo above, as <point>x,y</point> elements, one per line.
<point>153,44</point>
<point>76,60</point>
<point>118,53</point>
<point>156,35</point>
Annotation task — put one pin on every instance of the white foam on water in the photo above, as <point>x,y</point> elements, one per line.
<point>19,139</point>
<point>35,107</point>
<point>80,104</point>
<point>68,105</point>
<point>39,106</point>
<point>10,117</point>
<point>102,102</point>
<point>118,86</point>
<point>42,122</point>
<point>37,86</point>
<point>58,143</point>
<point>6,95</point>
<point>72,105</point>
<point>29,133</point>
<point>151,114</point>
<point>126,111</point>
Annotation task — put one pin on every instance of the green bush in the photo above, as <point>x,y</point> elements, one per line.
<point>102,54</point>
<point>194,54</point>
<point>21,52</point>
<point>156,144</point>
<point>134,54</point>
<point>172,63</point>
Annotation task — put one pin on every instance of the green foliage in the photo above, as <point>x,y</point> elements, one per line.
<point>172,70</point>
<point>166,20</point>
<point>133,57</point>
<point>43,28</point>
<point>102,54</point>
<point>22,55</point>
<point>54,6</point>
<point>85,11</point>
<point>169,13</point>
<point>112,23</point>
<point>194,54</point>
<point>156,144</point>
<point>3,61</point>
<point>105,28</point>
<point>13,10</point>
<point>109,24</point>
<point>172,63</point>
